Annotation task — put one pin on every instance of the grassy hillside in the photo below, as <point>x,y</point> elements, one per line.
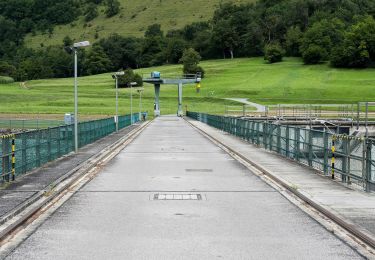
<point>286,82</point>
<point>133,20</point>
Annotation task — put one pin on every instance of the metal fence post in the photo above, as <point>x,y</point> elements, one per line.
<point>265,135</point>
<point>279,139</point>
<point>325,151</point>
<point>258,133</point>
<point>5,156</point>
<point>37,148</point>
<point>287,141</point>
<point>23,153</point>
<point>348,181</point>
<point>345,159</point>
<point>368,165</point>
<point>49,144</point>
<point>310,146</point>
<point>297,143</point>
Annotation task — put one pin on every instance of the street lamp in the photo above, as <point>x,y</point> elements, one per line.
<point>115,76</point>
<point>140,90</point>
<point>131,84</point>
<point>75,49</point>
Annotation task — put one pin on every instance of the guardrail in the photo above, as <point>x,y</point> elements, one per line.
<point>342,157</point>
<point>26,124</point>
<point>34,148</point>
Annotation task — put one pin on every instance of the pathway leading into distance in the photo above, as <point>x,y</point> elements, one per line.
<point>172,194</point>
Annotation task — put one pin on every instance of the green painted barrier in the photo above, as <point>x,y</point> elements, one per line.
<point>32,149</point>
<point>354,157</point>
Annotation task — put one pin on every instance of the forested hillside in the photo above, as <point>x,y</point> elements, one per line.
<point>339,31</point>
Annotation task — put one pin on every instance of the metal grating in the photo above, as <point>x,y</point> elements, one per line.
<point>199,170</point>
<point>161,196</point>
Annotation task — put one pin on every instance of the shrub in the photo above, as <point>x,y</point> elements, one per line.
<point>128,77</point>
<point>314,54</point>
<point>6,80</point>
<point>273,53</point>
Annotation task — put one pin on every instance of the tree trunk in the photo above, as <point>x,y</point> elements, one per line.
<point>231,54</point>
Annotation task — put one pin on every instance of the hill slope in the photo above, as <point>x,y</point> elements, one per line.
<point>133,20</point>
<point>286,82</point>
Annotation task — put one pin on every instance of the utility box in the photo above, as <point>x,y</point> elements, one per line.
<point>69,119</point>
<point>155,75</point>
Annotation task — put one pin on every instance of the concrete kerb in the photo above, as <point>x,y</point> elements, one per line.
<point>20,214</point>
<point>361,234</point>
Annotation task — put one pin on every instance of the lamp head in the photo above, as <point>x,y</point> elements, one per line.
<point>120,73</point>
<point>81,44</point>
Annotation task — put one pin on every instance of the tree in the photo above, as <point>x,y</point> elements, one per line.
<point>174,50</point>
<point>91,12</point>
<point>225,36</point>
<point>274,53</point>
<point>293,40</point>
<point>319,39</point>
<point>153,46</point>
<point>97,61</point>
<point>113,8</point>
<point>67,41</point>
<point>314,54</point>
<point>129,77</point>
<point>7,70</point>
<point>154,30</point>
<point>190,59</point>
<point>357,50</point>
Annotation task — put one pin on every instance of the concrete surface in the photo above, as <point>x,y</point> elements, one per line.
<point>353,205</point>
<point>259,107</point>
<point>239,217</point>
<point>14,193</point>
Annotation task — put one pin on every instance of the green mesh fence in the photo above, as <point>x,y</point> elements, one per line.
<point>26,124</point>
<point>35,148</point>
<point>354,157</point>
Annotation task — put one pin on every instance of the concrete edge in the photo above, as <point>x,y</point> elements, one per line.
<point>347,225</point>
<point>26,209</point>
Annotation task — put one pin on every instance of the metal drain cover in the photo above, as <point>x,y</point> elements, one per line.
<point>199,170</point>
<point>162,196</point>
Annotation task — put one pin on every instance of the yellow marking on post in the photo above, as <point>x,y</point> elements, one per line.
<point>7,136</point>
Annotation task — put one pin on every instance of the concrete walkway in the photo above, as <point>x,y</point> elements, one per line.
<point>356,207</point>
<point>14,193</point>
<point>259,107</point>
<point>173,194</point>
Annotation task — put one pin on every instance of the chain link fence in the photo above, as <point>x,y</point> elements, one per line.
<point>353,158</point>
<point>25,124</point>
<point>32,149</point>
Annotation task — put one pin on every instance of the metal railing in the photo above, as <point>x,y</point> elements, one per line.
<point>354,157</point>
<point>305,111</point>
<point>25,124</point>
<point>34,148</point>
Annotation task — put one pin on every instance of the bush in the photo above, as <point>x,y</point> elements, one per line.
<point>7,69</point>
<point>113,8</point>
<point>128,77</point>
<point>314,54</point>
<point>6,80</point>
<point>190,59</point>
<point>350,57</point>
<point>273,53</point>
<point>91,12</point>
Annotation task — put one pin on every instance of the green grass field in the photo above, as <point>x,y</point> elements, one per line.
<point>286,82</point>
<point>133,20</point>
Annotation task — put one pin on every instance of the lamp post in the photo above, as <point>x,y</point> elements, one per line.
<point>75,48</point>
<point>140,90</point>
<point>115,76</point>
<point>131,84</point>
